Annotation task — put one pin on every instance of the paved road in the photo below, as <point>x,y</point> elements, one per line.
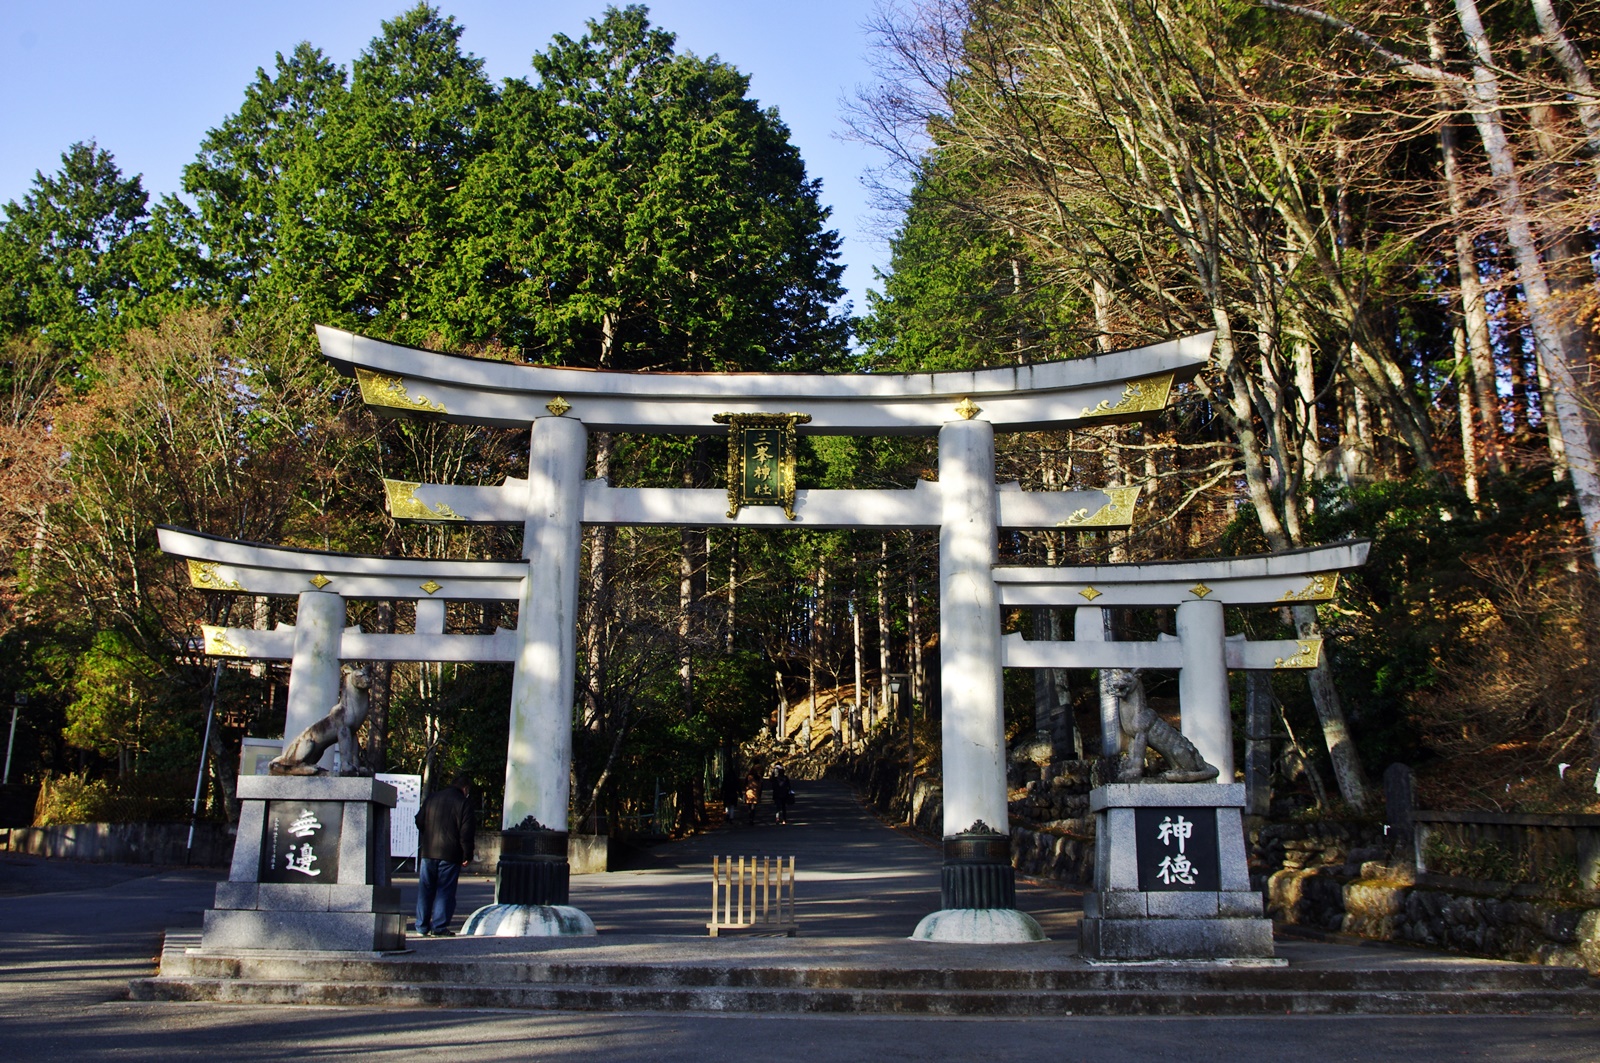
<point>855,876</point>
<point>72,934</point>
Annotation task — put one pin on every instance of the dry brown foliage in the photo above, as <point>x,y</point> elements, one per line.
<point>1519,694</point>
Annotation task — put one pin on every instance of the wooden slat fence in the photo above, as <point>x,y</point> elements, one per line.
<point>1548,850</point>
<point>753,894</point>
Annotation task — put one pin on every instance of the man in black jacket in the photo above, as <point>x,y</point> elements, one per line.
<point>444,844</point>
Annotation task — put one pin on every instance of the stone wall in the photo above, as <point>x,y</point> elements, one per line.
<point>588,854</point>
<point>1339,877</point>
<point>1325,875</point>
<point>125,843</point>
<point>1052,831</point>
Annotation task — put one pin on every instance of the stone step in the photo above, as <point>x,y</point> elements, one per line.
<point>931,984</point>
<point>284,967</point>
<point>856,1001</point>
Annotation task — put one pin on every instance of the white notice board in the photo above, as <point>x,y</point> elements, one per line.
<point>403,817</point>
<point>254,753</point>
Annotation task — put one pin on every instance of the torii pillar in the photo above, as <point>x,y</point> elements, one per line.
<point>978,891</point>
<point>314,674</point>
<point>532,879</point>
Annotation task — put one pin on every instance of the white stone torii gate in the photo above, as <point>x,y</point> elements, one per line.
<point>561,405</point>
<point>321,582</point>
<point>964,408</point>
<point>1201,653</point>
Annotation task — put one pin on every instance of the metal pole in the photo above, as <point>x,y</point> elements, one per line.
<point>17,701</point>
<point>200,775</point>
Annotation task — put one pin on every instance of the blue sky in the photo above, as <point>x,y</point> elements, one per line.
<point>147,79</point>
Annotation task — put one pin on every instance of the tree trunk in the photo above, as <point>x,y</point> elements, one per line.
<point>914,639</point>
<point>1571,271</point>
<point>857,723</point>
<point>224,769</point>
<point>597,631</point>
<point>1571,392</point>
<point>783,707</point>
<point>1464,411</point>
<point>1549,418</point>
<point>1052,696</point>
<point>820,586</point>
<point>1258,705</point>
<point>380,696</point>
<point>1347,770</point>
<point>686,545</point>
<point>733,588</point>
<point>1474,310</point>
<point>1570,60</point>
<point>883,621</point>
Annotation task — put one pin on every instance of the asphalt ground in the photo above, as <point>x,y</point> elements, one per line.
<point>71,935</point>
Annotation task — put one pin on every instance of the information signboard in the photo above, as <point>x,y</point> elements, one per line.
<point>403,817</point>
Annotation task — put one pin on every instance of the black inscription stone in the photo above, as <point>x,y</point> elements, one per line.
<point>300,841</point>
<point>1177,849</point>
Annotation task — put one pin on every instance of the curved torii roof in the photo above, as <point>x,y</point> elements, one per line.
<point>217,564</point>
<point>1100,389</point>
<point>1287,577</point>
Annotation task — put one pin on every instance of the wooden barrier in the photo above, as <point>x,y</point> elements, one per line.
<point>1560,851</point>
<point>752,894</point>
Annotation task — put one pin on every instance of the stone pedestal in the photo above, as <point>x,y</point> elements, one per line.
<point>533,868</point>
<point>978,895</point>
<point>977,872</point>
<point>531,883</point>
<point>1171,881</point>
<point>310,869</point>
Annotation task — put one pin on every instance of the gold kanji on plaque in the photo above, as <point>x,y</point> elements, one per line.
<point>761,459</point>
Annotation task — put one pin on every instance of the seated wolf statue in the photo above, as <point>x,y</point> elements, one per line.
<point>300,756</point>
<point>1144,728</point>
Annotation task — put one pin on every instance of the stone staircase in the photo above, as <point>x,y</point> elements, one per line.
<point>886,978</point>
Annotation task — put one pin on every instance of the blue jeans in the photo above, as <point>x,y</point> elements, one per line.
<point>436,894</point>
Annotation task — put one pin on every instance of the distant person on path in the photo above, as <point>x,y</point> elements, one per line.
<point>445,840</point>
<point>752,795</point>
<point>782,794</point>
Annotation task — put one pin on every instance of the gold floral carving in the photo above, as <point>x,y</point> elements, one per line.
<point>1089,593</point>
<point>1117,513</point>
<point>217,644</point>
<point>968,409</point>
<point>381,389</point>
<point>203,574</point>
<point>320,581</point>
<point>1140,396</point>
<point>558,405</point>
<point>1199,590</point>
<point>432,587</point>
<point>405,505</point>
<point>1320,588</point>
<point>1307,656</point>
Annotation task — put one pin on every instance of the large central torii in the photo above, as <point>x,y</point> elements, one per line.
<point>560,406</point>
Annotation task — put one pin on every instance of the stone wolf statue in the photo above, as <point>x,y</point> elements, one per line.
<point>1144,728</point>
<point>340,725</point>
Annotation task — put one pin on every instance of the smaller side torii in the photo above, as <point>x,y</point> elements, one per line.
<point>1201,652</point>
<point>322,582</point>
